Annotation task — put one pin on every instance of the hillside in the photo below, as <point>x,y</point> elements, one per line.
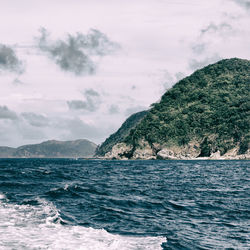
<point>6,151</point>
<point>51,149</point>
<point>204,115</point>
<point>121,133</point>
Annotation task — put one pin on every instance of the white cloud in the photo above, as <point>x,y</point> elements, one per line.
<point>5,113</point>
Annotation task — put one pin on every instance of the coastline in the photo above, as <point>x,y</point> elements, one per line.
<point>138,159</point>
<point>122,151</point>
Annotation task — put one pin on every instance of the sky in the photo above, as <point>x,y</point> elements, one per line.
<point>77,69</point>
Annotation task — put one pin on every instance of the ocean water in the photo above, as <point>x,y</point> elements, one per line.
<point>93,204</point>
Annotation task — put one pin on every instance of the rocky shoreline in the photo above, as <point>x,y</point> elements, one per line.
<point>144,151</point>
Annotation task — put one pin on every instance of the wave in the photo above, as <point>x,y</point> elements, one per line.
<point>41,227</point>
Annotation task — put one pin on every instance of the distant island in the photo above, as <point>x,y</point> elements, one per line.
<point>51,149</point>
<point>203,116</point>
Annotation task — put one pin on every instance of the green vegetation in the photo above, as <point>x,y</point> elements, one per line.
<point>121,134</point>
<point>212,107</point>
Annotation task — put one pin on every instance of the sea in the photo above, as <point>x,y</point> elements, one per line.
<point>125,205</point>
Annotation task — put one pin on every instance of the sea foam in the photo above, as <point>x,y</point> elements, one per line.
<point>39,227</point>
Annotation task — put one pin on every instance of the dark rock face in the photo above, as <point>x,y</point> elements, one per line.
<point>51,149</point>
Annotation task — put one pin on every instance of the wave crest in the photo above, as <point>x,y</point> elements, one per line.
<point>41,227</point>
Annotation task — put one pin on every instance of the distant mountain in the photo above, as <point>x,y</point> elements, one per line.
<point>204,115</point>
<point>121,133</point>
<point>6,151</point>
<point>51,149</point>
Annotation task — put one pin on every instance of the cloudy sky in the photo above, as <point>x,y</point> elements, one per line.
<point>77,69</point>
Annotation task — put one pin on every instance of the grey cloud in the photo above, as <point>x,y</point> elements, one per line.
<point>132,110</point>
<point>31,134</point>
<point>199,48</point>
<point>206,41</point>
<point>35,120</point>
<point>75,53</point>
<point>15,130</point>
<point>16,81</point>
<point>18,133</point>
<point>91,92</point>
<point>96,42</point>
<point>91,104</point>
<point>77,104</point>
<point>179,76</point>
<point>79,129</point>
<point>195,64</point>
<point>168,80</point>
<point>76,128</point>
<point>217,28</point>
<point>5,113</point>
<point>113,109</point>
<point>9,60</point>
<point>244,3</point>
<point>171,79</point>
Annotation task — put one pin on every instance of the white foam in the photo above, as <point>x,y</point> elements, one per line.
<point>2,197</point>
<point>37,227</point>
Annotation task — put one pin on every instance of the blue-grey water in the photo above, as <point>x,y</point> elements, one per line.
<point>93,204</point>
